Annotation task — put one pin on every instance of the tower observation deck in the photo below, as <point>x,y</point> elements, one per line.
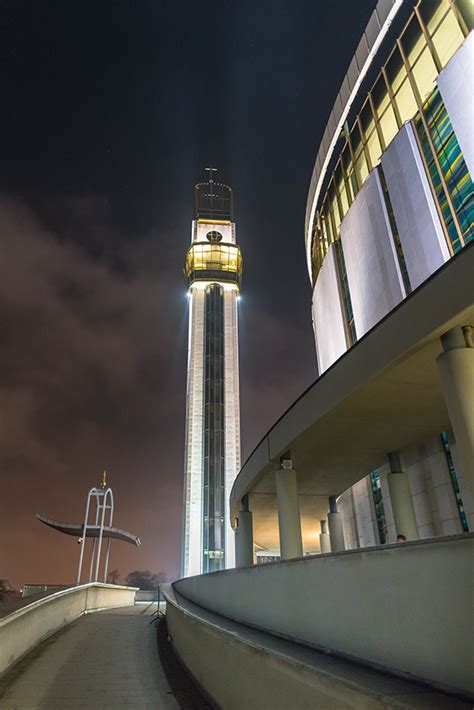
<point>213,272</point>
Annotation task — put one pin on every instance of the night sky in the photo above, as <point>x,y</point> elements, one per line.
<point>109,112</point>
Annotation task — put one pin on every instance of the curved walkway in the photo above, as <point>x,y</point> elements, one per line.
<point>104,660</point>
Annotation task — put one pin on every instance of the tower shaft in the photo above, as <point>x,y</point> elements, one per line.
<point>212,448</point>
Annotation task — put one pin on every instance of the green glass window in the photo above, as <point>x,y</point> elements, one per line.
<point>453,167</point>
<point>454,481</point>
<point>378,505</point>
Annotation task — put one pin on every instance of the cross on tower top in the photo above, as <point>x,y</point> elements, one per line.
<point>211,170</point>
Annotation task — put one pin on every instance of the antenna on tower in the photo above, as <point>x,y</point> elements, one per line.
<point>211,170</point>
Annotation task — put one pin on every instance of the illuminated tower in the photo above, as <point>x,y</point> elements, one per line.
<point>213,272</point>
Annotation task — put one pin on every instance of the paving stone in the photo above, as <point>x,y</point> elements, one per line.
<point>104,661</point>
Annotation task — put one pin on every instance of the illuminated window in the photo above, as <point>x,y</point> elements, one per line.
<point>336,217</point>
<point>388,125</point>
<point>413,41</point>
<point>466,9</point>
<point>395,70</point>
<point>447,38</point>
<point>207,261</point>
<point>341,189</point>
<point>374,148</point>
<point>329,223</point>
<point>380,96</point>
<point>406,103</point>
<point>348,169</point>
<point>432,12</point>
<point>425,73</point>
<point>366,119</point>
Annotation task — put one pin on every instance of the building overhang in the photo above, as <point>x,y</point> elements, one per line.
<point>382,395</point>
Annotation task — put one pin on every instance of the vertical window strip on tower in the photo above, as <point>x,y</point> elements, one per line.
<point>454,481</point>
<point>379,507</point>
<point>213,479</point>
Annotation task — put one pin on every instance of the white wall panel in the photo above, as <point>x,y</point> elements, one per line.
<point>231,412</point>
<point>365,513</point>
<point>456,88</point>
<point>192,563</point>
<point>328,319</point>
<point>200,231</point>
<point>373,272</point>
<point>345,505</point>
<point>421,235</point>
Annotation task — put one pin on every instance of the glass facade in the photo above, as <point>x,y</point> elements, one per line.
<point>458,212</point>
<point>404,89</point>
<point>207,261</point>
<point>213,495</point>
<point>378,505</point>
<point>454,481</point>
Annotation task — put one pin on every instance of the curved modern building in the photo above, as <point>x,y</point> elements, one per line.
<point>380,448</point>
<point>391,201</point>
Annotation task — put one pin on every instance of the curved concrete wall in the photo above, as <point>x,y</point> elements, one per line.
<point>22,630</point>
<point>373,273</point>
<point>407,608</point>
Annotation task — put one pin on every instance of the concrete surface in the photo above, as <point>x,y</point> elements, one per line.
<point>403,608</point>
<point>259,671</point>
<point>105,660</point>
<point>25,628</point>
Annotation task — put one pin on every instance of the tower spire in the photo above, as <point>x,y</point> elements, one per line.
<point>211,170</point>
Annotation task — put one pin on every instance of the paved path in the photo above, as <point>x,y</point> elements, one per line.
<point>102,661</point>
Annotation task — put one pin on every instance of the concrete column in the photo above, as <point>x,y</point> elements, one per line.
<point>456,372</point>
<point>402,502</point>
<point>289,522</point>
<point>244,536</point>
<point>336,532</point>
<point>324,541</point>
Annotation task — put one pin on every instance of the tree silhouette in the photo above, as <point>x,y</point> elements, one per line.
<point>113,576</point>
<point>145,579</point>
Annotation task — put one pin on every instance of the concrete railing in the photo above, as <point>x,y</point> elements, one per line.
<point>24,629</point>
<point>406,608</point>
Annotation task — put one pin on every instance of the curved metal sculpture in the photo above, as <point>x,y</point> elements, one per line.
<point>96,530</point>
<point>77,530</point>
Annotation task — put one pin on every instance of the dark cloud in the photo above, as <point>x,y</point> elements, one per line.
<point>85,364</point>
<point>92,376</point>
<point>110,111</point>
